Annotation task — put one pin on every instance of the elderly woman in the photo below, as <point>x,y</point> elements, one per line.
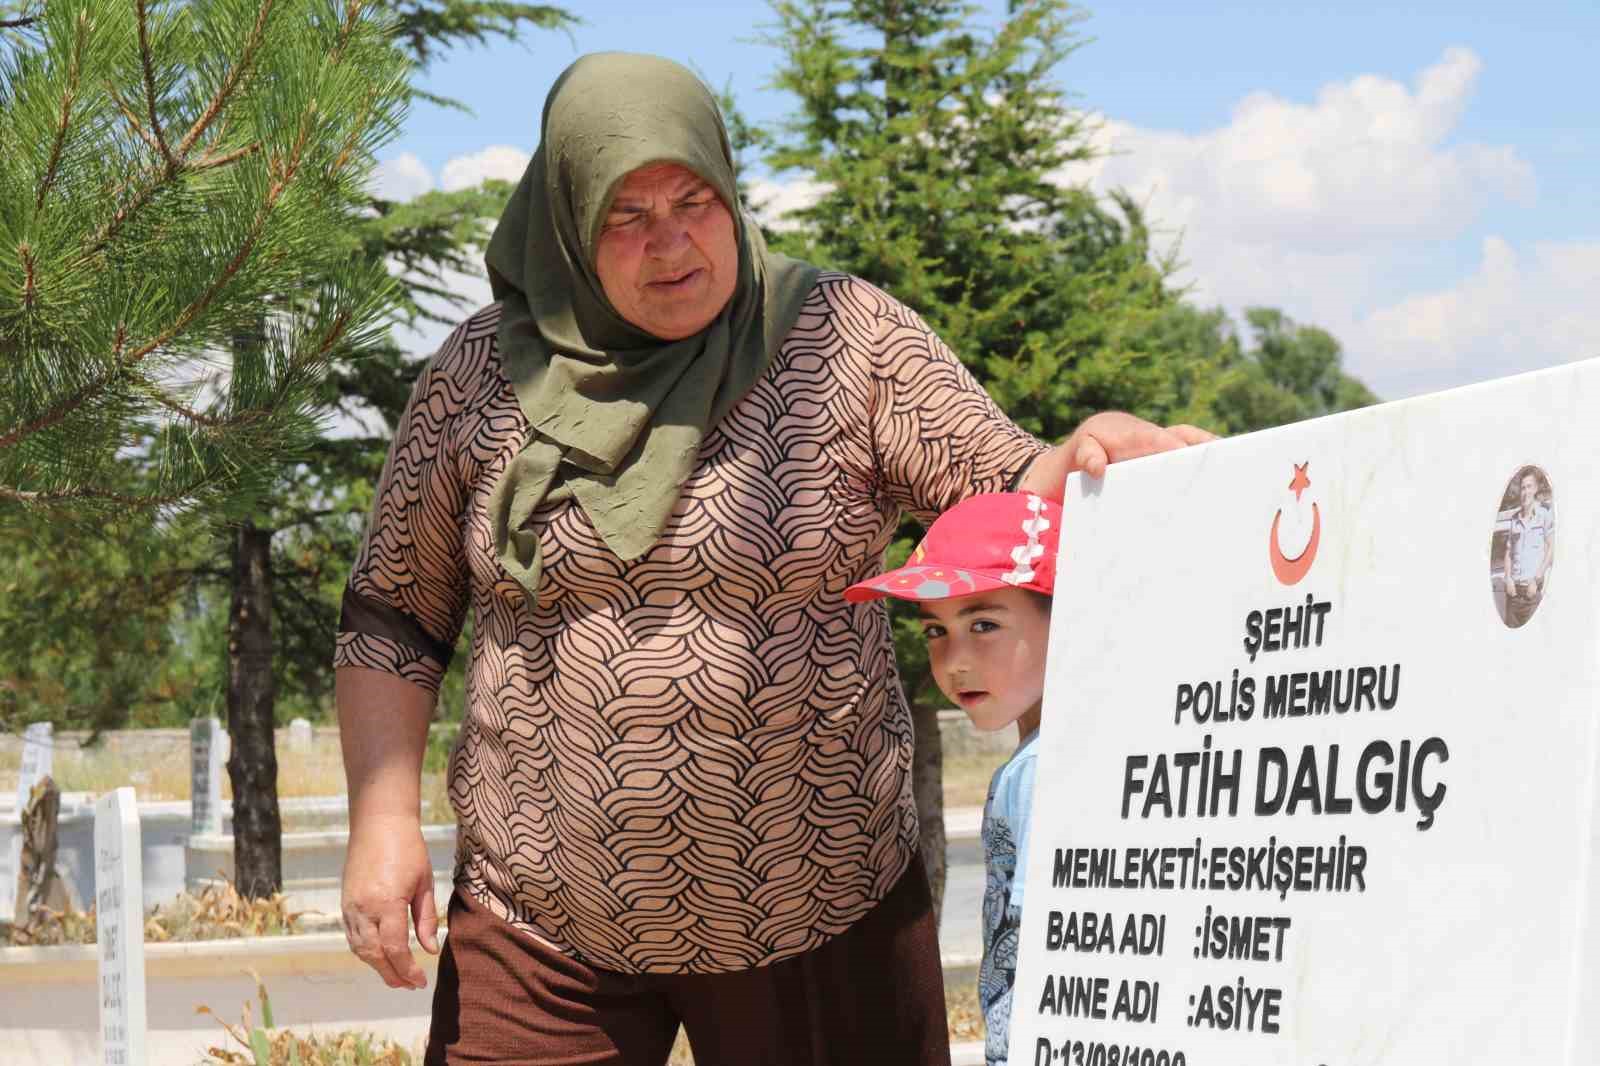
<point>649,470</point>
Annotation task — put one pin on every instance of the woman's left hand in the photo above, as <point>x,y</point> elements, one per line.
<point>1102,439</point>
<point>1112,436</point>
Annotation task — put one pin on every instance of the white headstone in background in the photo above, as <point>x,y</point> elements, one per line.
<point>38,758</point>
<point>208,751</point>
<point>119,916</point>
<point>300,735</point>
<point>1318,767</point>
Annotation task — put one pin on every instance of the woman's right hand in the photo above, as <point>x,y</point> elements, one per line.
<point>388,880</point>
<point>387,885</point>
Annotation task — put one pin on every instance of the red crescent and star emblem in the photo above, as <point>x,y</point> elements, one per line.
<point>1286,570</point>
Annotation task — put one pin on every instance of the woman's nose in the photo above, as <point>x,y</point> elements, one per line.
<point>666,233</point>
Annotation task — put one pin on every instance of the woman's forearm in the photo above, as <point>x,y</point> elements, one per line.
<point>383,727</point>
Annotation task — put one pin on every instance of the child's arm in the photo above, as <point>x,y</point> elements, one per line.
<point>1021,805</point>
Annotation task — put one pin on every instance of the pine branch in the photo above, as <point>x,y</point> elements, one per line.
<point>86,494</point>
<point>177,164</point>
<point>211,162</point>
<point>121,364</point>
<point>19,23</point>
<point>199,418</point>
<point>30,288</point>
<point>145,60</point>
<point>131,118</point>
<point>71,403</point>
<point>306,518</point>
<point>68,98</point>
<point>108,233</point>
<point>230,84</point>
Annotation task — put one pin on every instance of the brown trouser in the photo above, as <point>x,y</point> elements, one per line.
<point>873,996</point>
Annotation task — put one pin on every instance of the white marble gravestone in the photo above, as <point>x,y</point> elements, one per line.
<point>208,751</point>
<point>38,761</point>
<point>300,735</point>
<point>38,758</point>
<point>119,914</point>
<point>1317,781</point>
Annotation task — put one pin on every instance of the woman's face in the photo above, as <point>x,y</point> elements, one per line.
<point>668,257</point>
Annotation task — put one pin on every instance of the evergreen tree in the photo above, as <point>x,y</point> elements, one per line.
<point>941,148</point>
<point>280,563</point>
<point>1289,372</point>
<point>174,177</point>
<point>287,558</point>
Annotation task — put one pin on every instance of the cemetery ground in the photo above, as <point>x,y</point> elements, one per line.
<point>157,765</point>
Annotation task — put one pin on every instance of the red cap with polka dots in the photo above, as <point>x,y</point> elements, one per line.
<point>996,541</point>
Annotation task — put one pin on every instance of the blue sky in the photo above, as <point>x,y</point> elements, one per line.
<point>1423,183</point>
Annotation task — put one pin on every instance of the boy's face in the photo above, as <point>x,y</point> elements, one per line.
<point>987,651</point>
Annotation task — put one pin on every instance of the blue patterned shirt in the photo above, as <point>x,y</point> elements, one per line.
<point>1006,814</point>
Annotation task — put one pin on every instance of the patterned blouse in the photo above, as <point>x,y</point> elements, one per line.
<point>698,761</point>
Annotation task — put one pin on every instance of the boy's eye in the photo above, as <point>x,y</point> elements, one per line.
<point>983,625</point>
<point>932,631</point>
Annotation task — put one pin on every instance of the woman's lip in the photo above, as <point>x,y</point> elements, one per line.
<point>680,279</point>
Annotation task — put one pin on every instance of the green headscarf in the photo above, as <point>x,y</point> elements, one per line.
<point>617,415</point>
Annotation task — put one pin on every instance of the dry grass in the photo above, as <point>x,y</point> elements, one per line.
<point>319,771</point>
<point>961,1006</point>
<point>966,777</point>
<point>266,1045</point>
<point>269,1047</point>
<point>217,912</point>
<point>165,775</point>
<point>50,927</point>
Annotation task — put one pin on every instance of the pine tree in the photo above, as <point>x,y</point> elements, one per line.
<point>173,177</point>
<point>288,556</point>
<point>941,148</point>
<point>281,559</point>
<point>944,150</point>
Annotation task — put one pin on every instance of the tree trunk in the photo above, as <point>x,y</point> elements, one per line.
<point>927,784</point>
<point>253,760</point>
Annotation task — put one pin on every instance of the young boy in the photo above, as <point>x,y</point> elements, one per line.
<point>984,575</point>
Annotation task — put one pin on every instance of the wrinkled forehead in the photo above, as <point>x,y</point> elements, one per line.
<point>613,113</point>
<point>638,186</point>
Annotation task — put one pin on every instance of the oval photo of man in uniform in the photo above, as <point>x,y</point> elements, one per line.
<point>1523,546</point>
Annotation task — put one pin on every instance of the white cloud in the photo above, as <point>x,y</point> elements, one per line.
<point>1367,162</point>
<point>772,200</point>
<point>401,178</point>
<point>406,176</point>
<point>496,161</point>
<point>1318,207</point>
<point>1517,311</point>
